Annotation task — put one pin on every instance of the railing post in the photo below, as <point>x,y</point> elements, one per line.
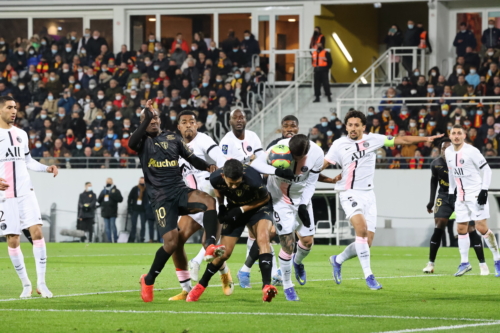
<point>262,125</point>
<point>422,62</point>
<point>356,94</point>
<point>296,97</point>
<point>372,92</point>
<point>414,59</point>
<point>338,111</point>
<point>389,66</point>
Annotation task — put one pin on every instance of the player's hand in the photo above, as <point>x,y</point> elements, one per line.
<point>3,184</point>
<point>429,207</point>
<point>285,173</point>
<point>53,169</point>
<point>222,213</point>
<point>482,198</point>
<point>212,168</point>
<point>434,137</point>
<point>304,216</point>
<point>337,178</point>
<point>452,198</point>
<point>233,215</point>
<point>149,110</point>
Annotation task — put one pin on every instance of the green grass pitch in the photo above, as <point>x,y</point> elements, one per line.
<point>96,290</point>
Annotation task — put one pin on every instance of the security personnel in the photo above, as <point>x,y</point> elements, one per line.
<point>322,62</point>
<point>86,210</point>
<point>317,38</point>
<point>463,39</point>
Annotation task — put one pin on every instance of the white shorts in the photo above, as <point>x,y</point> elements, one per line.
<point>360,202</point>
<point>19,213</point>
<point>287,220</point>
<point>198,217</point>
<point>471,211</point>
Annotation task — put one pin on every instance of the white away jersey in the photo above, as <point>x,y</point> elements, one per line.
<point>241,150</point>
<point>357,159</point>
<point>301,188</point>
<point>15,159</point>
<point>205,148</point>
<point>465,167</point>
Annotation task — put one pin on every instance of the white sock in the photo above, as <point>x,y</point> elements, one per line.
<point>285,260</point>
<point>363,251</point>
<point>246,269</point>
<point>40,254</point>
<point>348,253</point>
<point>275,264</point>
<point>249,244</point>
<point>184,279</point>
<point>463,247</point>
<point>199,257</point>
<point>224,269</point>
<point>491,241</point>
<point>17,258</point>
<point>302,252</point>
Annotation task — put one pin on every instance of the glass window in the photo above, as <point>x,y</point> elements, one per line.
<point>233,22</point>
<point>264,32</point>
<point>140,27</point>
<point>287,38</point>
<point>474,24</point>
<point>495,16</point>
<point>187,25</point>
<point>10,29</point>
<point>57,28</point>
<point>105,27</point>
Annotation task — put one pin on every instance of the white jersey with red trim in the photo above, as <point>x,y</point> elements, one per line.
<point>15,160</point>
<point>357,159</point>
<point>301,188</point>
<point>465,167</point>
<point>205,148</point>
<point>241,150</point>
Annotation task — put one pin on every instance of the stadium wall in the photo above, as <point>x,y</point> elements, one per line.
<point>401,200</point>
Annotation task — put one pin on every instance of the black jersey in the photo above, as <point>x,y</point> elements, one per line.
<point>159,159</point>
<point>252,187</point>
<point>439,170</point>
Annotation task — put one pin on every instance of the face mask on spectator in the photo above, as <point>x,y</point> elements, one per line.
<point>32,136</point>
<point>66,71</point>
<point>156,67</point>
<point>404,112</point>
<point>338,126</point>
<point>43,116</point>
<point>138,114</point>
<point>125,135</point>
<point>380,156</point>
<point>118,98</point>
<point>329,133</point>
<point>433,73</point>
<point>491,54</point>
<point>31,51</point>
<point>218,80</point>
<point>237,76</point>
<point>172,118</point>
<point>20,52</point>
<point>43,42</point>
<point>98,117</point>
<point>444,112</point>
<point>183,105</point>
<point>38,145</point>
<point>449,128</point>
<point>479,112</point>
<point>135,71</point>
<point>324,123</point>
<point>100,96</point>
<point>430,90</point>
<point>210,117</point>
<point>35,79</point>
<point>391,126</point>
<point>472,71</point>
<point>68,49</point>
<point>205,84</point>
<point>413,124</point>
<point>413,91</point>
<point>459,70</point>
<point>61,115</point>
<point>110,136</point>
<point>98,144</point>
<point>432,123</point>
<point>48,135</point>
<point>370,113</point>
<point>416,73</point>
<point>147,63</point>
<point>53,51</point>
<point>50,97</point>
<point>118,118</point>
<point>109,108</point>
<point>193,48</point>
<point>118,145</point>
<point>421,134</point>
<point>52,78</point>
<point>332,118</point>
<point>89,135</point>
<point>92,86</point>
<point>21,87</point>
<point>79,146</point>
<point>83,51</point>
<point>77,86</point>
<point>235,50</point>
<point>467,123</point>
<point>147,86</point>
<point>133,96</point>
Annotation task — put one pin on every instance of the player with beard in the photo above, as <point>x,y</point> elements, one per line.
<point>159,152</point>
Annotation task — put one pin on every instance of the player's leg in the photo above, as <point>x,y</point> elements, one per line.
<point>489,237</point>
<point>188,226</point>
<point>142,235</point>
<point>304,246</point>
<point>435,242</point>
<point>476,242</point>
<point>463,216</point>
<point>17,258</point>
<point>261,231</point>
<point>134,215</point>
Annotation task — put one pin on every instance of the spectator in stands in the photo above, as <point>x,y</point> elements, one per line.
<point>491,36</point>
<point>47,159</point>
<point>463,39</point>
<point>322,62</point>
<point>317,38</point>
<point>227,92</point>
<point>403,89</point>
<point>108,200</point>
<point>421,87</point>
<point>38,150</point>
<point>411,38</point>
<point>94,44</point>
<point>471,58</point>
<point>394,38</point>
<point>460,89</point>
<point>319,138</point>
<point>473,78</point>
<point>250,47</point>
<point>492,72</point>
<point>323,126</point>
<point>376,127</point>
<point>390,97</point>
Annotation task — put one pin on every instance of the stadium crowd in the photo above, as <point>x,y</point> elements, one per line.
<point>76,98</point>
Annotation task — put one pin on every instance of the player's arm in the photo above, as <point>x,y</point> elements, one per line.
<point>410,140</point>
<point>222,208</point>
<point>262,197</point>
<point>260,164</point>
<point>188,155</point>
<point>215,153</point>
<point>34,165</point>
<point>330,157</point>
<point>434,185</point>
<point>324,179</point>
<point>479,160</point>
<point>135,141</point>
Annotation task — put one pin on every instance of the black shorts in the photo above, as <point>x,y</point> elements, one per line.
<point>248,219</point>
<point>443,208</point>
<point>167,210</point>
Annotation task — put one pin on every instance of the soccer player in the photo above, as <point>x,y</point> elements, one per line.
<point>292,206</point>
<point>289,128</point>
<point>159,152</point>
<point>205,148</point>
<point>355,153</point>
<point>470,191</point>
<point>248,205</point>
<point>18,205</point>
<point>445,210</point>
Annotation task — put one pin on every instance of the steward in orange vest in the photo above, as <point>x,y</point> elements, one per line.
<point>322,62</point>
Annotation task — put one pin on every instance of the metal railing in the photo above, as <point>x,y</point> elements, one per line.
<point>416,163</point>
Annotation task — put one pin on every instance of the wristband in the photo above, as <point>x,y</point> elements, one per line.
<point>242,210</point>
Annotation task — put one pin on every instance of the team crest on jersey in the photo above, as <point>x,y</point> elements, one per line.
<point>462,161</point>
<point>390,138</point>
<point>239,193</point>
<point>279,226</point>
<point>3,226</point>
<point>366,144</point>
<point>249,149</point>
<point>304,169</point>
<point>163,145</point>
<point>354,204</point>
<point>224,149</point>
<point>170,137</point>
<point>19,139</point>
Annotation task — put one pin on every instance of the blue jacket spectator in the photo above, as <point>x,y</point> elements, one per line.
<point>109,140</point>
<point>67,102</point>
<point>250,46</point>
<point>473,78</point>
<point>463,39</point>
<point>390,97</point>
<point>38,150</point>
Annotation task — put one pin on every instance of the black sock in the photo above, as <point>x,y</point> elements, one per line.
<point>266,267</point>
<point>435,243</point>
<point>159,262</point>
<point>26,233</point>
<point>90,236</point>
<point>477,243</point>
<point>253,255</point>
<point>210,224</point>
<point>209,272</point>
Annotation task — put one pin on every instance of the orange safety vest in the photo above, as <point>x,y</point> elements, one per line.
<point>423,40</point>
<point>318,41</point>
<point>319,60</point>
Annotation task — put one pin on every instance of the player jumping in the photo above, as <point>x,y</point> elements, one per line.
<point>444,211</point>
<point>470,193</point>
<point>355,153</point>
<point>248,205</point>
<point>18,204</point>
<point>159,152</point>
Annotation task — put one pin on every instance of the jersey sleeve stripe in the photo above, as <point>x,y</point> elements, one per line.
<point>485,163</point>
<point>210,148</point>
<point>29,153</point>
<point>314,171</point>
<point>257,150</point>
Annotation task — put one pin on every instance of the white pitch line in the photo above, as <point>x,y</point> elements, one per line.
<point>488,321</point>
<point>443,328</point>
<point>96,255</point>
